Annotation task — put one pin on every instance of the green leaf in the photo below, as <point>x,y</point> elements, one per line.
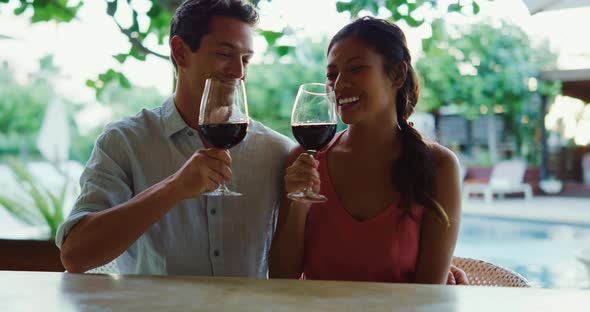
<point>374,6</point>
<point>454,7</point>
<point>159,21</point>
<point>284,50</point>
<point>53,10</point>
<point>111,7</point>
<point>21,9</point>
<point>108,76</point>
<point>48,64</point>
<point>413,22</point>
<point>397,16</point>
<point>392,6</point>
<point>154,11</point>
<point>344,6</point>
<point>124,82</point>
<point>121,57</point>
<point>135,53</point>
<point>476,7</point>
<point>135,26</point>
<point>271,36</point>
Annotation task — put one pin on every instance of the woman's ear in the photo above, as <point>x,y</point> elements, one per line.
<point>179,51</point>
<point>400,73</point>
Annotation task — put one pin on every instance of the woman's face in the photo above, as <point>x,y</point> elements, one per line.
<point>365,92</point>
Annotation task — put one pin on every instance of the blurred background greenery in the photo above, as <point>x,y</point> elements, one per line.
<point>477,71</point>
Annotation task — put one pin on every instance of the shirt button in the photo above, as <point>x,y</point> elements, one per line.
<point>190,133</point>
<point>216,253</point>
<point>213,211</point>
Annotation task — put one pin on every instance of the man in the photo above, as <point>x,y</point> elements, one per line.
<point>140,202</point>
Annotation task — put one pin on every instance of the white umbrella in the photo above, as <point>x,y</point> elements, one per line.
<point>54,137</point>
<point>537,6</point>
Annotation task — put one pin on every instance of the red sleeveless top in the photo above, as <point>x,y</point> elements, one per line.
<point>338,247</point>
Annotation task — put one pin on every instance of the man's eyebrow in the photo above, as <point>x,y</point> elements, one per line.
<point>233,46</point>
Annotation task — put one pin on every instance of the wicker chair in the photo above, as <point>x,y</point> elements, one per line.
<point>481,273</point>
<point>109,268</point>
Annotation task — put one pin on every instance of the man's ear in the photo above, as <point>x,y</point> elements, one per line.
<point>179,51</point>
<point>400,73</point>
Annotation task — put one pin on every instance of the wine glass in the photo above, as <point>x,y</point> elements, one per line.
<point>313,123</point>
<point>223,118</point>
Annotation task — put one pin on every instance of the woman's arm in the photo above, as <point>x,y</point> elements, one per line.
<point>437,241</point>
<point>286,252</point>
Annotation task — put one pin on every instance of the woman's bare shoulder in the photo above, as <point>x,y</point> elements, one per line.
<point>443,157</point>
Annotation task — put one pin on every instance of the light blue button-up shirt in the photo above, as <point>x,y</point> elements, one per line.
<point>219,236</point>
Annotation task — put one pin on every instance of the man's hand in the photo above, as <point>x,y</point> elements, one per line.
<point>457,276</point>
<point>203,172</point>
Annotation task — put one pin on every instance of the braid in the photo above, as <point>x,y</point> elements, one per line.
<point>414,172</point>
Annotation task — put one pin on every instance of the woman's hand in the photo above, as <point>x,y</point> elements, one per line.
<point>303,173</point>
<point>457,276</point>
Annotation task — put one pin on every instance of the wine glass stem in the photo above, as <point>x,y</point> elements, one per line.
<point>222,187</point>
<point>308,190</point>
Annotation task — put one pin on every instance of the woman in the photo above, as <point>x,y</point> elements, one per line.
<point>393,199</point>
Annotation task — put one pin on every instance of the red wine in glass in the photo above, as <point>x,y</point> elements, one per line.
<point>314,137</point>
<point>224,136</point>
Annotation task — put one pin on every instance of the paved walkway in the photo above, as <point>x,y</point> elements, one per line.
<point>540,208</point>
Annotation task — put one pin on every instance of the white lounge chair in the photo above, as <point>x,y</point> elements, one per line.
<point>507,177</point>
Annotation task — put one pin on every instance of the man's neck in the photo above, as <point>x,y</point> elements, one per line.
<point>188,103</point>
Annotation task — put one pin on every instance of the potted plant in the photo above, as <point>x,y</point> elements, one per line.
<point>35,205</point>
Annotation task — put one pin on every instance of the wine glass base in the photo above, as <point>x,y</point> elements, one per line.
<point>307,197</point>
<point>225,192</point>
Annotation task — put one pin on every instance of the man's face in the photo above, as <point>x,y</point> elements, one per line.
<point>224,53</point>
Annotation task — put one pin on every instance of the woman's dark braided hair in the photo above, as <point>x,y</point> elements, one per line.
<point>414,171</point>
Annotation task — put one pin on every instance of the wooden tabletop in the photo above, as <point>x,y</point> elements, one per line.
<point>46,291</point>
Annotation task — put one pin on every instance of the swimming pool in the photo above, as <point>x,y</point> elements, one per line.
<point>543,252</point>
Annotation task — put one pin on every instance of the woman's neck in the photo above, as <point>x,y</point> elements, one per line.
<point>368,139</point>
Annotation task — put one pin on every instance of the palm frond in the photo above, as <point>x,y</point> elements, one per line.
<point>19,210</point>
<point>41,206</point>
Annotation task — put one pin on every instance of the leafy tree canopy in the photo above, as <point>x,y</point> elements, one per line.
<point>487,69</point>
<point>159,12</point>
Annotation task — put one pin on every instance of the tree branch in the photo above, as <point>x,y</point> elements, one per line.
<point>137,43</point>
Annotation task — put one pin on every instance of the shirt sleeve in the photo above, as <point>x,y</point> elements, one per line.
<point>105,181</point>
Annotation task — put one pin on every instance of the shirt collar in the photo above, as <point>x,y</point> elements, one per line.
<point>171,118</point>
